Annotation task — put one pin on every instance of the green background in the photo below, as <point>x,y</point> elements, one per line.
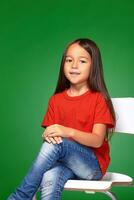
<point>33,35</point>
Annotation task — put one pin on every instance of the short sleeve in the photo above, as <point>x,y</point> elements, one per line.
<point>102,113</point>
<point>49,116</point>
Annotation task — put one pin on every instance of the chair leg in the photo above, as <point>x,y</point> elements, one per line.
<point>34,198</point>
<point>110,194</point>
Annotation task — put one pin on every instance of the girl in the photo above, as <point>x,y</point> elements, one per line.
<point>78,123</point>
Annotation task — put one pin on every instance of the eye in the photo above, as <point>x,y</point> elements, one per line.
<point>82,61</point>
<point>68,60</point>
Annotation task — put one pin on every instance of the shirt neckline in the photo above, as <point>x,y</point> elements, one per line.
<point>75,97</point>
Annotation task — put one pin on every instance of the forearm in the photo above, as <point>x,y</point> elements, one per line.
<point>88,139</point>
<point>94,139</point>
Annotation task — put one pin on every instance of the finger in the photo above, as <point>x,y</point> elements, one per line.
<point>52,134</point>
<point>49,131</point>
<point>44,133</point>
<point>43,136</point>
<point>57,139</point>
<point>60,139</point>
<point>47,139</point>
<point>52,140</point>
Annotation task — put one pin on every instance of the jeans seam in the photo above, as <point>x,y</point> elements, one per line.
<point>60,186</point>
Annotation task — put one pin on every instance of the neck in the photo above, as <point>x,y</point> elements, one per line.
<point>76,90</point>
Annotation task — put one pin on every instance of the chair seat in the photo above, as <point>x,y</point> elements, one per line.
<point>102,185</point>
<point>117,178</point>
<point>85,185</point>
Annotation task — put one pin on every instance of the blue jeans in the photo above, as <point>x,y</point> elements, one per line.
<point>54,165</point>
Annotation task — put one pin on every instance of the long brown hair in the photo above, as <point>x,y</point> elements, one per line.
<point>95,80</point>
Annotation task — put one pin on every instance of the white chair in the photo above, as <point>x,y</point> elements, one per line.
<point>124,109</point>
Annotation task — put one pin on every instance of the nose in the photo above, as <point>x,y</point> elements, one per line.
<point>74,65</point>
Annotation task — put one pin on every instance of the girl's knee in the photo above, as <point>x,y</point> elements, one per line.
<point>47,147</point>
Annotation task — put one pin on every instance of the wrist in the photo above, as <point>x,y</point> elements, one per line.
<point>72,132</point>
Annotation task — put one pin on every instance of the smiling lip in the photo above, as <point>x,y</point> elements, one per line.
<point>74,73</point>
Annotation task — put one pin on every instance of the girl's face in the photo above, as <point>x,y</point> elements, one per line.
<point>77,65</point>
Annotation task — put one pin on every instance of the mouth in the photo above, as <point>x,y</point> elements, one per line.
<point>74,73</point>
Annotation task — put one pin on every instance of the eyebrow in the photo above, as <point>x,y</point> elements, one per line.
<point>80,56</point>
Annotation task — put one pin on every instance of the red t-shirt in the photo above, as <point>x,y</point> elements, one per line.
<point>81,112</point>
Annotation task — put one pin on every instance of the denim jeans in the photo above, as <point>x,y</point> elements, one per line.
<point>54,165</point>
